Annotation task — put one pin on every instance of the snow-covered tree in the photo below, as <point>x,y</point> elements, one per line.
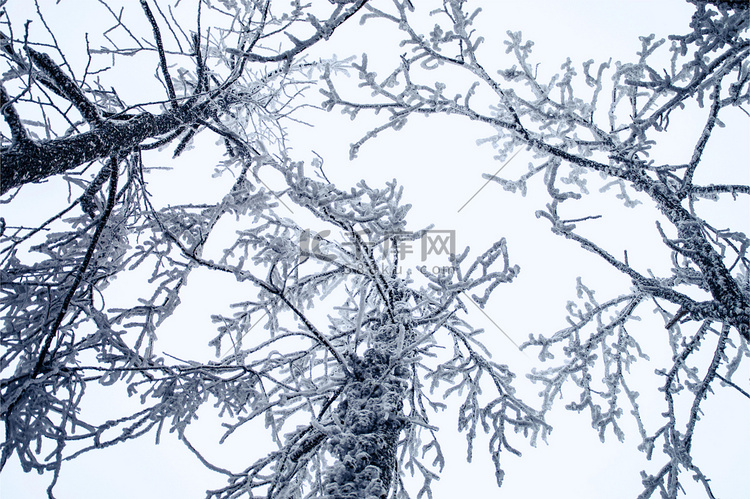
<point>331,345</point>
<point>599,127</point>
<point>321,338</point>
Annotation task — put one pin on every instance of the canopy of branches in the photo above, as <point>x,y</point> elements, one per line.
<point>323,340</point>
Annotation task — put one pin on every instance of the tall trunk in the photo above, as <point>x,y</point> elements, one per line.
<point>370,414</point>
<point>371,417</point>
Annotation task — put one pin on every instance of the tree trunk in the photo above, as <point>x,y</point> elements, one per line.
<point>371,417</point>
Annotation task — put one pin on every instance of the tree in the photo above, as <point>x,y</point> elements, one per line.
<point>347,403</point>
<point>601,134</point>
<point>350,349</point>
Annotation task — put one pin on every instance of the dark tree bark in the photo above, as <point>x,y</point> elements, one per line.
<point>28,161</point>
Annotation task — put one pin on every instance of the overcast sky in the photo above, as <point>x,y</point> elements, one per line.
<point>440,165</point>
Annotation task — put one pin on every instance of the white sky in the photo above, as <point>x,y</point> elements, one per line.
<point>440,166</point>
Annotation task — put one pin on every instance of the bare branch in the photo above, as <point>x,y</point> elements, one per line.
<point>65,85</point>
<point>162,56</point>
